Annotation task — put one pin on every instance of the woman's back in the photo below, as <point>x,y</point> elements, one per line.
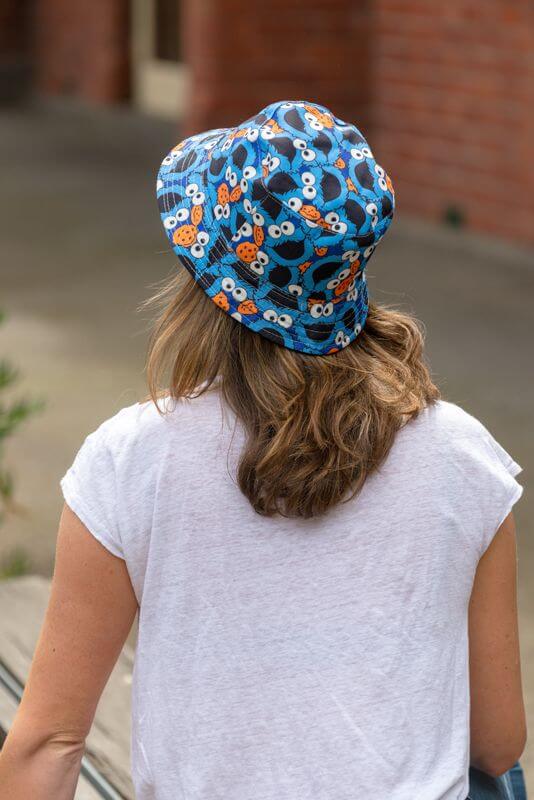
<point>281,658</point>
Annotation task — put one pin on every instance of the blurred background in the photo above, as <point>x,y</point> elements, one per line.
<point>92,96</point>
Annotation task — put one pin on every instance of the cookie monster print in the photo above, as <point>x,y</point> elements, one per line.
<point>277,218</point>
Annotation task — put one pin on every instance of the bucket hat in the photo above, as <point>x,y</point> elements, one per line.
<point>276,220</point>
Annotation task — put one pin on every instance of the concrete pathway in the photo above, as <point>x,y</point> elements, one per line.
<point>81,246</point>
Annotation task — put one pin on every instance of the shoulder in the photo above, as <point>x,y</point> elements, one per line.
<point>146,426</point>
<point>445,421</point>
<point>446,431</point>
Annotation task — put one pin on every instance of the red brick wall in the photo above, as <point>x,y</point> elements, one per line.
<point>244,55</point>
<point>453,110</point>
<point>82,48</point>
<point>444,90</point>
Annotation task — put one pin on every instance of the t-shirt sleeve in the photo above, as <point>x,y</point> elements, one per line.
<point>89,489</point>
<point>499,490</point>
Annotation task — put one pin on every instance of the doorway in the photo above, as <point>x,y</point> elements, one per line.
<point>159,75</point>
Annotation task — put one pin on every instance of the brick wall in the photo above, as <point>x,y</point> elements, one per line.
<point>445,91</point>
<point>82,48</point>
<point>244,55</point>
<point>453,110</point>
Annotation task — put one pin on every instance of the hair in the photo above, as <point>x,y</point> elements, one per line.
<point>315,426</point>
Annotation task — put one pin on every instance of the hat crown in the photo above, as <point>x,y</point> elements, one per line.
<point>314,164</point>
<point>289,205</point>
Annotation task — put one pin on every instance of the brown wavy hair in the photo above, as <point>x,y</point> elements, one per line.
<point>316,426</point>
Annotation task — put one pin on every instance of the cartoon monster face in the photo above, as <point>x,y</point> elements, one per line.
<point>276,219</point>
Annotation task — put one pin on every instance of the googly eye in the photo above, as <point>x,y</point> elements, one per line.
<point>308,178</point>
<point>197,250</point>
<point>226,144</point>
<point>236,237</point>
<point>369,251</point>
<point>170,222</point>
<point>314,122</point>
<point>343,274</point>
<point>339,337</point>
<point>267,133</point>
<point>372,209</point>
<point>270,315</point>
<point>328,309</point>
<point>274,231</point>
<point>259,219</point>
<point>247,205</point>
<point>198,198</point>
<point>287,105</point>
<point>252,134</point>
<point>288,228</point>
<point>239,294</point>
<point>295,203</point>
<point>228,284</point>
<point>310,223</point>
<point>380,170</point>
<point>228,173</point>
<point>300,144</point>
<point>333,283</point>
<point>274,163</point>
<point>331,218</point>
<point>217,211</point>
<point>243,184</point>
<point>256,267</point>
<point>383,184</point>
<point>232,180</point>
<point>367,152</point>
<point>308,154</point>
<point>339,227</point>
<point>316,310</point>
<point>295,290</point>
<point>357,328</point>
<point>246,229</point>
<point>352,254</point>
<point>203,237</point>
<point>374,222</point>
<point>182,214</point>
<point>285,321</point>
<point>226,211</point>
<point>191,189</point>
<point>159,184</point>
<point>262,257</point>
<point>357,154</point>
<point>249,172</point>
<point>309,192</point>
<point>168,160</point>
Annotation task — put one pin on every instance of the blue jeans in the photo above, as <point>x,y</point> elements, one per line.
<point>510,786</point>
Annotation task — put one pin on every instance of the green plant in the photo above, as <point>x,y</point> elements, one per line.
<point>15,564</point>
<point>12,414</point>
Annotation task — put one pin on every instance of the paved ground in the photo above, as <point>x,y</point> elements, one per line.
<point>81,245</point>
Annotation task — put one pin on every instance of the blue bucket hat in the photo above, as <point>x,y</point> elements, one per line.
<point>276,220</point>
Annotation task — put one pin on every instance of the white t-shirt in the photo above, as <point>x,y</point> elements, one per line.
<point>279,659</point>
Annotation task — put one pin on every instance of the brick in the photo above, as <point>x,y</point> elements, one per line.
<point>83,48</point>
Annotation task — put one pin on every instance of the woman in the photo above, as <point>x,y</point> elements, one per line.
<point>310,535</point>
